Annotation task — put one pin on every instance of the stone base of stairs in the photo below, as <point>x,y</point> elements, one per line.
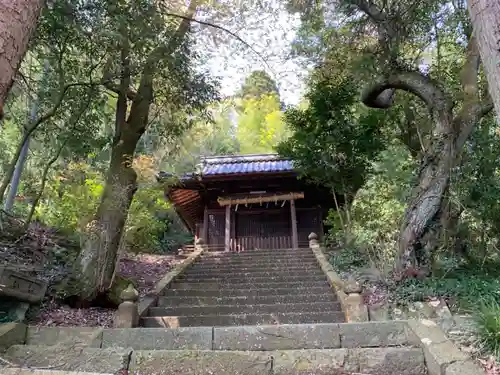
<point>372,348</point>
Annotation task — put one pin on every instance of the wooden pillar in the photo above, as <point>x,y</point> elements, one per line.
<point>295,236</point>
<point>227,242</point>
<point>204,233</point>
<point>233,231</point>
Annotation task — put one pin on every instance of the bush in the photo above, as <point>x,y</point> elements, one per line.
<point>463,290</point>
<point>368,233</point>
<point>488,325</point>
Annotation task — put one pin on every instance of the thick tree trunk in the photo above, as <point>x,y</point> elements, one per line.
<point>95,266</point>
<point>18,20</point>
<point>485,15</point>
<point>428,195</point>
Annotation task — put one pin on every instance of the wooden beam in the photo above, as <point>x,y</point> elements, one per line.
<point>228,201</point>
<point>295,236</point>
<point>204,233</point>
<point>227,242</point>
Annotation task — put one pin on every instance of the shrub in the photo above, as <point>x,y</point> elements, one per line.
<point>368,232</point>
<point>463,290</point>
<point>488,324</point>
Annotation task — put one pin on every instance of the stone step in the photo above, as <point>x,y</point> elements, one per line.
<point>260,252</point>
<point>242,319</point>
<point>250,292</point>
<point>224,287</point>
<point>70,358</point>
<point>194,274</point>
<point>258,259</point>
<point>264,251</point>
<point>306,264</point>
<point>201,268</point>
<point>245,309</point>
<point>242,279</point>
<point>386,361</point>
<point>173,301</point>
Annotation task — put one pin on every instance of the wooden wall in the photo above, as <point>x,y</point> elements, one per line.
<point>262,228</point>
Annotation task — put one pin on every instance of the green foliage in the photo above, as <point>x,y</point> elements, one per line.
<point>463,289</point>
<point>260,126</point>
<point>349,258</point>
<point>334,139</point>
<point>370,236</point>
<point>257,85</point>
<point>71,198</point>
<point>488,325</point>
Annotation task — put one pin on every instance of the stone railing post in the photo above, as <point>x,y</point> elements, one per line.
<point>199,244</point>
<point>313,241</point>
<point>127,315</point>
<point>356,310</point>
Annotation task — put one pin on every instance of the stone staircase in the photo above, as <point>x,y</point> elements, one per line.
<point>249,288</point>
<point>253,313</point>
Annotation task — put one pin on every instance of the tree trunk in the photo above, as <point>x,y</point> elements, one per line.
<point>428,195</point>
<point>96,263</point>
<point>17,22</point>
<point>12,166</point>
<point>485,15</point>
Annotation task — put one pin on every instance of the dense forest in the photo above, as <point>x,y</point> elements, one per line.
<point>397,115</point>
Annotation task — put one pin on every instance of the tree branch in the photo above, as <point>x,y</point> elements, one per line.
<point>108,81</point>
<point>473,109</point>
<point>139,111</point>
<point>381,94</point>
<point>227,31</point>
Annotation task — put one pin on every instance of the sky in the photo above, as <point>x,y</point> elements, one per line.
<point>270,38</point>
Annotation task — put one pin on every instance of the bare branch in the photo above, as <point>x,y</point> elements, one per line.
<point>227,31</point>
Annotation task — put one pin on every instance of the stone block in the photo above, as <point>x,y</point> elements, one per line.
<point>464,368</point>
<point>21,286</point>
<point>373,334</point>
<point>12,334</point>
<point>439,356</point>
<point>425,332</point>
<point>144,305</point>
<point>175,362</point>
<point>72,357</point>
<point>89,336</point>
<point>378,313</point>
<point>355,309</point>
<point>421,310</point>
<point>195,338</point>
<point>387,361</point>
<point>21,371</point>
<point>317,362</point>
<point>282,337</point>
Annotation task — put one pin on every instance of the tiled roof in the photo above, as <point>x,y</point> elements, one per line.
<point>241,164</point>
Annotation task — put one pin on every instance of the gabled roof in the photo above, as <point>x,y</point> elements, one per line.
<point>242,164</point>
<point>236,165</point>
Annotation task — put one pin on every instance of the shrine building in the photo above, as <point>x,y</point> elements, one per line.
<point>246,202</point>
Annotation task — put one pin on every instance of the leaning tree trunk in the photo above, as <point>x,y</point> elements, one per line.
<point>95,265</point>
<point>18,20</point>
<point>448,134</point>
<point>428,194</point>
<point>485,15</point>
